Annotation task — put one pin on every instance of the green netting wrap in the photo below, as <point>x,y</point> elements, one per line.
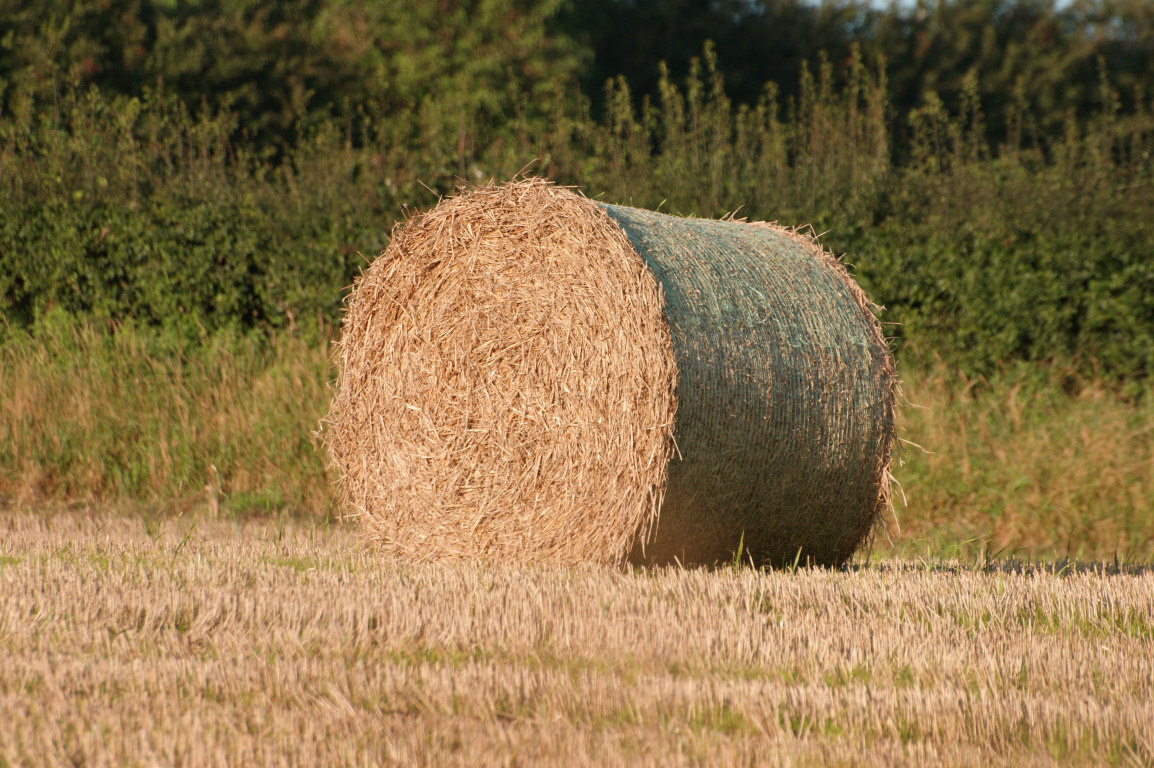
<point>785,394</point>
<point>525,374</point>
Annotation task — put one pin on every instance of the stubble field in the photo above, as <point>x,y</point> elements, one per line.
<point>209,641</point>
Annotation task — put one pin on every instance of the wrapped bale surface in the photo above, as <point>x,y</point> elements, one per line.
<point>525,374</point>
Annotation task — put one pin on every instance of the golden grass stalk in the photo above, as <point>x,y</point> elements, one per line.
<point>200,642</point>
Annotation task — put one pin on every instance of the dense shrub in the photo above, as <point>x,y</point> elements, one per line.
<point>195,267</point>
<point>134,210</point>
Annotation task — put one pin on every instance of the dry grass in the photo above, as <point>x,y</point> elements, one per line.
<point>99,418</point>
<point>193,642</point>
<point>1018,465</point>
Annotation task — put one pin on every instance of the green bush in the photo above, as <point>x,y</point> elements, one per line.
<point>196,268</point>
<point>136,211</point>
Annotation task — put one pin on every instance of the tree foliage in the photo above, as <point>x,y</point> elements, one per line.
<point>411,66</point>
<point>280,65</point>
<point>1035,60</point>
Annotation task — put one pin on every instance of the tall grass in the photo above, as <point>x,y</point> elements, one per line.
<point>1032,461</point>
<point>97,418</point>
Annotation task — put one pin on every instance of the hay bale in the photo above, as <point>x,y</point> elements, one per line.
<point>526,374</point>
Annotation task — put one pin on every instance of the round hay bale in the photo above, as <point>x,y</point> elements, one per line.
<point>526,374</point>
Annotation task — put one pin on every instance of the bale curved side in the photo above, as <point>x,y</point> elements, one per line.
<point>786,395</point>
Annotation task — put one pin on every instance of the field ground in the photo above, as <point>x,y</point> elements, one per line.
<point>200,641</point>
